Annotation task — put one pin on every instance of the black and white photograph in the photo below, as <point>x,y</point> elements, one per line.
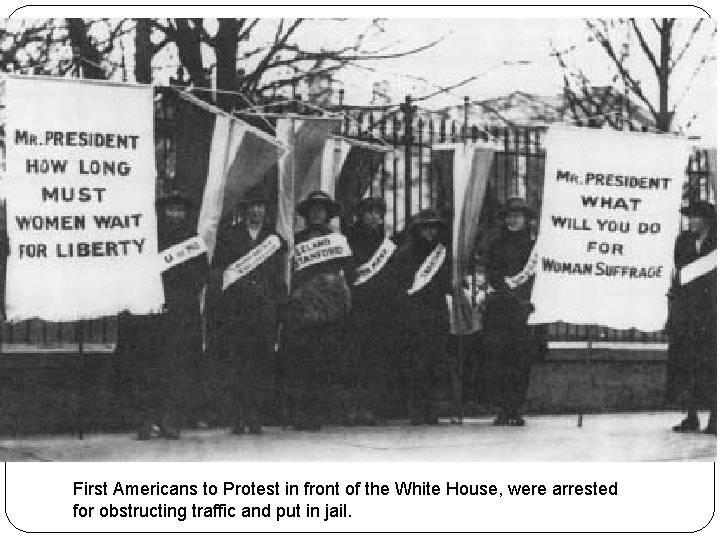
<point>358,239</point>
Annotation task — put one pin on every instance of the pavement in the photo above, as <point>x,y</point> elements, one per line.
<point>644,436</point>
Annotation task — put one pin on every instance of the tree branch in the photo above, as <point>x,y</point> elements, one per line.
<point>693,32</point>
<point>645,47</point>
<point>631,83</point>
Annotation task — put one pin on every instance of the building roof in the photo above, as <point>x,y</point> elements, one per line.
<point>523,108</point>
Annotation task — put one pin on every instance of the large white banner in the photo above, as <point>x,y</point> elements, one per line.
<point>610,216</point>
<point>80,190</point>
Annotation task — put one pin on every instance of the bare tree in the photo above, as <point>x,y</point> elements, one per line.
<point>256,60</point>
<point>31,46</point>
<point>57,46</point>
<point>256,66</point>
<point>663,46</point>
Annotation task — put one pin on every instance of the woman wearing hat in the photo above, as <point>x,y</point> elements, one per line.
<point>509,347</point>
<point>166,349</point>
<point>373,283</point>
<point>247,292</point>
<point>692,325</point>
<point>316,338</point>
<point>421,313</point>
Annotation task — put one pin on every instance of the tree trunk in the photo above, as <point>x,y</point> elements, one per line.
<point>226,57</point>
<point>143,51</point>
<point>664,117</point>
<point>88,57</point>
<point>189,48</point>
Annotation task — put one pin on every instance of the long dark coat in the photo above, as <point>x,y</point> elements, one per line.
<point>509,348</point>
<point>318,359</point>
<point>165,350</point>
<point>370,305</point>
<point>422,320</point>
<point>373,326</point>
<point>692,327</point>
<point>244,326</point>
<point>252,301</point>
<point>426,311</point>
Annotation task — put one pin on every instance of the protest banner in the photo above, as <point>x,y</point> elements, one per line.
<point>610,216</point>
<point>356,165</point>
<point>239,157</point>
<point>80,189</point>
<point>300,169</point>
<point>465,169</point>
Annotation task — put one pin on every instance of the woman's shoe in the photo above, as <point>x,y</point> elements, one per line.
<point>501,420</point>
<point>689,424</point>
<point>307,426</point>
<point>711,428</point>
<point>147,430</point>
<point>169,432</point>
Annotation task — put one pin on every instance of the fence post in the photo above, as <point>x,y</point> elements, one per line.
<point>466,111</point>
<point>407,142</point>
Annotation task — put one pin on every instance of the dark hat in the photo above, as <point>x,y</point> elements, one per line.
<point>699,209</point>
<point>255,194</point>
<point>174,197</point>
<point>427,217</point>
<point>515,204</point>
<point>368,203</point>
<point>321,198</point>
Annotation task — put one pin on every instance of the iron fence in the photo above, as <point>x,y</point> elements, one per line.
<point>406,179</point>
<point>517,171</point>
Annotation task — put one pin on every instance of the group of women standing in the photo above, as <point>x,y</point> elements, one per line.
<point>367,333</point>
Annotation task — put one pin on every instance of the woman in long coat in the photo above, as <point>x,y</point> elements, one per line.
<point>316,338</point>
<point>165,349</point>
<point>509,347</point>
<point>423,268</point>
<point>373,284</point>
<point>245,315</point>
<point>692,325</point>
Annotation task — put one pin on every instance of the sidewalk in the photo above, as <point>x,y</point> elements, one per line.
<point>642,436</point>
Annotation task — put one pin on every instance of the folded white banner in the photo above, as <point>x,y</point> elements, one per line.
<point>428,269</point>
<point>321,249</point>
<point>523,275</point>
<point>181,252</point>
<point>250,261</point>
<point>376,263</point>
<point>697,268</point>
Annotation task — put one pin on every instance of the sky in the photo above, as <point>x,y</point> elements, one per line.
<point>490,50</point>
<point>505,55</point>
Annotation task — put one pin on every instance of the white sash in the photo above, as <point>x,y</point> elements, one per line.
<point>524,274</point>
<point>376,262</point>
<point>703,265</point>
<point>321,249</point>
<point>251,260</point>
<point>428,269</point>
<point>184,251</point>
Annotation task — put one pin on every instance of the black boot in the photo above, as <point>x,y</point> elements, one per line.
<point>689,424</point>
<point>502,419</point>
<point>147,430</point>
<point>711,428</point>
<point>254,428</point>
